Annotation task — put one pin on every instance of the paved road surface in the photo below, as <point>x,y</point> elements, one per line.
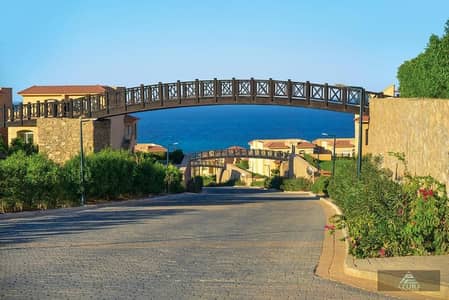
<point>224,243</point>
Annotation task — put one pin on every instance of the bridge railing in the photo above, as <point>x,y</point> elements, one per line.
<point>234,153</point>
<point>174,93</point>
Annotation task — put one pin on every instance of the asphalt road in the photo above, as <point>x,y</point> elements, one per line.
<point>223,243</point>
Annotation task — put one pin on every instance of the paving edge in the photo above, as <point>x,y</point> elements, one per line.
<point>351,271</point>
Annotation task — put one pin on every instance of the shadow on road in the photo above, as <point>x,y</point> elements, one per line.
<point>71,222</point>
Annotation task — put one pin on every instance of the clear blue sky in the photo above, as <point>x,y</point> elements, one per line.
<point>132,42</point>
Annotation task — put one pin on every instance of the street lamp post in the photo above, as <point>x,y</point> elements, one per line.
<point>333,152</point>
<point>82,182</point>
<point>168,150</point>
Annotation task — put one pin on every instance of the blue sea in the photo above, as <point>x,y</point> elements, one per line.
<point>218,127</point>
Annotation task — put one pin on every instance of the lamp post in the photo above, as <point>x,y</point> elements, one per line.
<point>82,182</point>
<point>333,152</point>
<point>168,150</point>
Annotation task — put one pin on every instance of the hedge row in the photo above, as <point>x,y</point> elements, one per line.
<point>34,182</point>
<point>427,74</point>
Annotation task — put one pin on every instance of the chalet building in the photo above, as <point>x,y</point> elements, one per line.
<point>122,129</point>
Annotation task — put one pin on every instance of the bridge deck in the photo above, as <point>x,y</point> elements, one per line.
<point>193,93</point>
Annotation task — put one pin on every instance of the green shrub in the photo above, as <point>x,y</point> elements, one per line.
<point>109,174</point>
<point>173,179</point>
<point>243,164</point>
<point>28,182</point>
<point>273,182</point>
<point>176,156</point>
<point>209,180</point>
<point>296,184</point>
<point>195,185</point>
<point>258,183</point>
<point>426,75</point>
<point>387,218</point>
<point>311,160</point>
<point>148,177</point>
<point>320,185</point>
<point>18,144</point>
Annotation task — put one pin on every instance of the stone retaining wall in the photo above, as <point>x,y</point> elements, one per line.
<point>417,127</point>
<point>59,138</point>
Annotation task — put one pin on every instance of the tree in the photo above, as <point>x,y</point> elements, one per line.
<point>427,75</point>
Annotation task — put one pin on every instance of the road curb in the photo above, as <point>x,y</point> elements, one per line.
<point>351,270</point>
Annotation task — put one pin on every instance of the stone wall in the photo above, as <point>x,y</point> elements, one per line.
<point>59,138</point>
<point>417,127</point>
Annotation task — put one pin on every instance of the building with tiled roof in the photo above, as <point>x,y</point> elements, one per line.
<point>149,148</point>
<point>122,129</point>
<point>306,147</point>
<point>64,90</point>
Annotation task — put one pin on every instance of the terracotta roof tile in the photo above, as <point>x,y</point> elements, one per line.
<point>63,89</point>
<point>305,145</point>
<point>342,144</point>
<point>277,145</point>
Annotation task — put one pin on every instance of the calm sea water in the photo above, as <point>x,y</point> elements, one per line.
<point>218,127</point>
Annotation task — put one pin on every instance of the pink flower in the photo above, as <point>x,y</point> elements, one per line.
<point>382,252</point>
<point>400,212</point>
<point>329,227</point>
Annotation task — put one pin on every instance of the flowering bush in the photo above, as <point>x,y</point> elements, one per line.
<point>388,218</point>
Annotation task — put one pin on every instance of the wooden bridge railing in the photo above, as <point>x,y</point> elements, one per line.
<point>235,153</point>
<point>197,92</point>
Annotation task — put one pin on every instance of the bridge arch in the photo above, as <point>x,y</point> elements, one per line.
<point>142,98</point>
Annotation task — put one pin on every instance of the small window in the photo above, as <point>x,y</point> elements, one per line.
<point>26,135</point>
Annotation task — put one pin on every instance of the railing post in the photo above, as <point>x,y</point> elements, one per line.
<point>197,90</point>
<point>216,89</point>
<point>98,101</point>
<point>166,92</point>
<point>38,109</point>
<point>178,91</point>
<point>344,97</point>
<point>29,111</point>
<point>89,106</point>
<point>142,95</point>
<point>271,88</point>
<point>326,94</point>
<point>201,89</point>
<point>71,108</point>
<point>307,87</point>
<point>21,113</point>
<point>107,102</point>
<point>252,87</point>
<point>289,91</point>
<point>235,88</point>
<point>150,94</point>
<point>161,93</point>
<point>45,109</point>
